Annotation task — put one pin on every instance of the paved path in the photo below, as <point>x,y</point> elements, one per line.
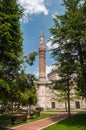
<point>38,125</point>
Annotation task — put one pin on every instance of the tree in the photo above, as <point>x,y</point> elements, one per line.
<point>31,58</point>
<point>63,93</point>
<point>65,71</point>
<point>27,90</point>
<point>76,20</point>
<point>69,33</point>
<point>10,44</point>
<point>15,85</point>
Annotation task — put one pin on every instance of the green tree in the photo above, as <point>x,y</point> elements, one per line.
<point>64,87</point>
<point>65,71</point>
<point>69,34</point>
<point>76,21</point>
<point>61,96</point>
<point>31,58</point>
<point>27,89</point>
<point>15,86</point>
<point>10,44</point>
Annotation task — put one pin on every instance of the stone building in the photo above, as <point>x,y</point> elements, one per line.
<point>46,95</point>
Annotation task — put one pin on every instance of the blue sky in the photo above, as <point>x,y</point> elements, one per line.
<point>38,14</point>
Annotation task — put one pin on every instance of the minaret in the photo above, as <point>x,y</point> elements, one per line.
<point>42,60</point>
<point>41,91</point>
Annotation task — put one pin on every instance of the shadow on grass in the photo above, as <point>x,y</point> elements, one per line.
<point>79,119</point>
<point>2,128</point>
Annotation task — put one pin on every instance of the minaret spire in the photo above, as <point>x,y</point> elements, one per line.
<point>42,38</point>
<point>42,33</point>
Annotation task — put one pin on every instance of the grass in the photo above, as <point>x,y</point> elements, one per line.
<point>5,121</point>
<point>76,122</point>
<point>52,110</point>
<point>4,128</point>
<point>5,117</point>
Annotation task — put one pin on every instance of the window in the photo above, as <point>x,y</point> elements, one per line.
<point>77,103</point>
<point>53,105</point>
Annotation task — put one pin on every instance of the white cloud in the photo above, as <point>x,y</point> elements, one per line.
<point>33,7</point>
<point>50,45</point>
<point>48,70</point>
<point>36,73</point>
<point>54,14</point>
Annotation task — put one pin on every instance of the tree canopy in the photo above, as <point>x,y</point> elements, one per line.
<point>10,43</point>
<point>14,84</point>
<point>69,34</point>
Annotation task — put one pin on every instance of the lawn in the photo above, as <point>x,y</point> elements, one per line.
<point>76,122</point>
<point>5,117</point>
<point>52,110</point>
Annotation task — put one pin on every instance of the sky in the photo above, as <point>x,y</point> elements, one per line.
<point>38,15</point>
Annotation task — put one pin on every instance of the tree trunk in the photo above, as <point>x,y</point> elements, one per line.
<point>69,114</point>
<point>12,107</point>
<point>84,83</point>
<point>82,62</point>
<point>65,106</point>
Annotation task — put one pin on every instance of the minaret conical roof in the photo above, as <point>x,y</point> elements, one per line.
<point>42,33</point>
